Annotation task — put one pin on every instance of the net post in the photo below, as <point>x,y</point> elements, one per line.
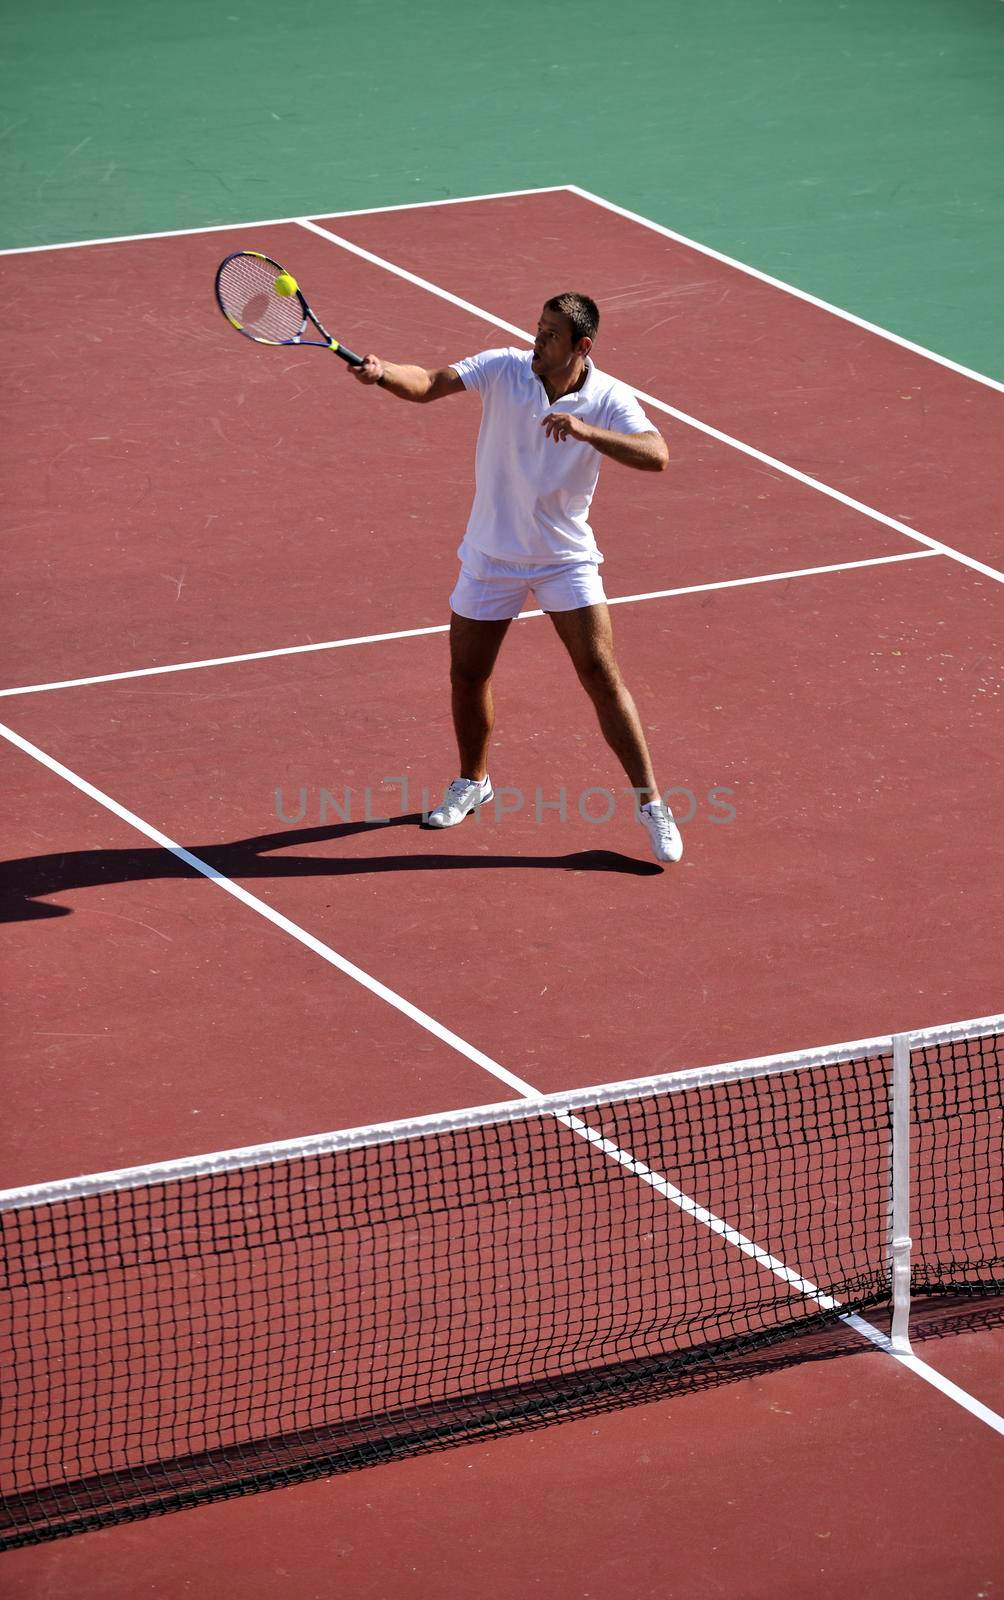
<point>900,1242</point>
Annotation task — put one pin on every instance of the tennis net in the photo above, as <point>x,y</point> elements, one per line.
<point>211,1327</point>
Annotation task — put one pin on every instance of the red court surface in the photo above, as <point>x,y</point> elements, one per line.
<point>187,496</point>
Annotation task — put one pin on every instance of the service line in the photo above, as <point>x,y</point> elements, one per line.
<point>444,627</point>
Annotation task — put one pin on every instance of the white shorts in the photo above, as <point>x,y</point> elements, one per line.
<point>497,596</point>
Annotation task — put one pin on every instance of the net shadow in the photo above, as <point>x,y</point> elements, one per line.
<point>163,1487</point>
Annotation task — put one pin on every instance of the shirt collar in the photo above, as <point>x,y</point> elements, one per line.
<point>581,393</point>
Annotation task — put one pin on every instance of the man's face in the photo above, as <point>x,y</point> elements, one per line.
<point>553,349</point>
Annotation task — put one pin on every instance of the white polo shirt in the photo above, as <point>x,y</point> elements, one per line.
<point>531,503</point>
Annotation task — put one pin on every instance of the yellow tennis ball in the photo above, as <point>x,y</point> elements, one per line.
<point>285,284</point>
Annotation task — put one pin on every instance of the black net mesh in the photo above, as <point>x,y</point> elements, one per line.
<point>208,1336</point>
<point>957,1160</point>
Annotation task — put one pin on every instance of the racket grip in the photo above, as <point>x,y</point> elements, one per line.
<point>346,354</point>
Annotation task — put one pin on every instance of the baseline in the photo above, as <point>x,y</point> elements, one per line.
<point>272,222</point>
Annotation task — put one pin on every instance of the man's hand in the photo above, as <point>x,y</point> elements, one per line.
<point>559,425</point>
<point>371,370</point>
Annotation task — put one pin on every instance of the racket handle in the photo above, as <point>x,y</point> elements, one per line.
<point>346,354</point>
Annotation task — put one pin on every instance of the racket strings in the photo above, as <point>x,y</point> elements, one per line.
<point>248,296</point>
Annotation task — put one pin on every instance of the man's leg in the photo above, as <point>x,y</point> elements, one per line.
<point>588,637</point>
<point>474,648</point>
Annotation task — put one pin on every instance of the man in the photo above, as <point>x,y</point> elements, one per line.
<point>548,417</point>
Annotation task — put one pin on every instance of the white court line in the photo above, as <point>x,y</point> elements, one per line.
<point>928,1374</point>
<point>226,661</point>
<point>272,222</point>
<point>787,288</point>
<point>670,411</point>
<point>770,577</point>
<point>138,238</point>
<point>662,1185</point>
<point>444,627</point>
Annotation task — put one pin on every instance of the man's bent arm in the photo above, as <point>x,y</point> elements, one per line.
<point>409,383</point>
<point>646,451</point>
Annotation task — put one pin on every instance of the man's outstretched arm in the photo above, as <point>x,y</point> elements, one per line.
<point>409,383</point>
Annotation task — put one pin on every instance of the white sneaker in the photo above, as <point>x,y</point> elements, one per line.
<point>461,798</point>
<point>667,840</point>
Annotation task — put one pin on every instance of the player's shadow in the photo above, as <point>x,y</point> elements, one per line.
<point>25,883</point>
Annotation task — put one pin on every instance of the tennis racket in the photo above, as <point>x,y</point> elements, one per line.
<point>261,300</point>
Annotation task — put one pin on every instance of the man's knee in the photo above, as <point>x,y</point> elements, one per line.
<point>599,675</point>
<point>474,647</point>
<point>469,677</point>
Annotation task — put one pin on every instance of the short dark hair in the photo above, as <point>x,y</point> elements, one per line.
<point>582,313</point>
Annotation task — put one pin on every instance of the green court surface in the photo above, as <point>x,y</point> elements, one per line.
<point>850,147</point>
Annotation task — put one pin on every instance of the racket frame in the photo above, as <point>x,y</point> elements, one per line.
<point>326,342</point>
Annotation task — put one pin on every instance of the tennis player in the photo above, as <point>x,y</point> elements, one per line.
<point>548,416</point>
